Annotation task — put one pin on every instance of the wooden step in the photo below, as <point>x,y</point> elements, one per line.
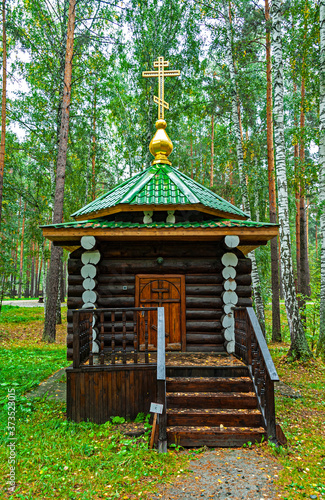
<point>209,384</point>
<point>213,436</point>
<point>211,400</point>
<point>207,371</point>
<point>214,418</point>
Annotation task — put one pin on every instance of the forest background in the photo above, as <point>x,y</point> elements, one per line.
<point>220,122</point>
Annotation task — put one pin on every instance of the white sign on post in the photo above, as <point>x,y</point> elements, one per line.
<point>156,408</point>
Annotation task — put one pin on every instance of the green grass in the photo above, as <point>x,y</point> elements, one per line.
<point>18,315</point>
<point>60,459</point>
<point>303,422</point>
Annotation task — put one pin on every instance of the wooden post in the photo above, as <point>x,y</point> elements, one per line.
<point>270,409</point>
<point>76,340</point>
<point>161,380</point>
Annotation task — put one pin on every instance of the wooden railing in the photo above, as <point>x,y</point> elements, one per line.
<point>251,348</point>
<point>161,380</point>
<point>118,335</point>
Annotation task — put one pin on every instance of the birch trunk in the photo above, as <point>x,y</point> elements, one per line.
<point>321,340</point>
<point>276,324</point>
<point>299,346</point>
<point>235,108</point>
<point>49,332</point>
<point>3,104</point>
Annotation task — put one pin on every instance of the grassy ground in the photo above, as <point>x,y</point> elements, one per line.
<point>60,459</point>
<point>56,458</point>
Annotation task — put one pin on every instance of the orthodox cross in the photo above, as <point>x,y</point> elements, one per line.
<point>161,64</point>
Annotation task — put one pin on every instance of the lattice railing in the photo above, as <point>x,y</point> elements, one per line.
<point>116,336</point>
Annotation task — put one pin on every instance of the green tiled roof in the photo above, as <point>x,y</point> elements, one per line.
<point>160,185</point>
<point>104,224</point>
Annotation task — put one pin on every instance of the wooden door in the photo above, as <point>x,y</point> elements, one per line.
<point>166,291</point>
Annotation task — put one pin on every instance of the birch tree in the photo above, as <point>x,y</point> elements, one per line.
<point>3,105</point>
<point>235,110</point>
<point>49,332</point>
<point>321,340</point>
<point>299,347</point>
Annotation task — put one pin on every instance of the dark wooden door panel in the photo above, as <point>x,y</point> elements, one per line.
<point>163,291</point>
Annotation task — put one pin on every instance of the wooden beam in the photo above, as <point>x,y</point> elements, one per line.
<point>253,236</point>
<point>124,207</point>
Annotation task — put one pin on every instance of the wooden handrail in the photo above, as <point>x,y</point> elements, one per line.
<point>251,348</point>
<point>262,344</point>
<point>161,380</point>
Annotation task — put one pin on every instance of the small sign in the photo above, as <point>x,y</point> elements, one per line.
<point>156,408</point>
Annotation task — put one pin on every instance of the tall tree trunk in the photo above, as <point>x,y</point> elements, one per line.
<point>321,339</point>
<point>32,272</point>
<point>93,156</point>
<point>276,323</point>
<point>240,160</point>
<point>299,346</point>
<point>304,264</point>
<point>192,172</point>
<point>212,151</point>
<point>21,254</point>
<point>49,332</point>
<point>3,104</point>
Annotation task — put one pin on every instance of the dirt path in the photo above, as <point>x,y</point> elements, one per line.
<point>222,474</point>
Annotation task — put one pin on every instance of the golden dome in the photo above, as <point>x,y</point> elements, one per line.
<point>161,146</point>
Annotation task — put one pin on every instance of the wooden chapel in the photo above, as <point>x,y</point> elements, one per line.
<point>161,239</point>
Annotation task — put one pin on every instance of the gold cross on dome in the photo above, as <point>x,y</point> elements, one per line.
<point>161,64</point>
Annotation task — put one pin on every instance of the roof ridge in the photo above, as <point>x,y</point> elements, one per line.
<point>147,175</point>
<point>207,189</point>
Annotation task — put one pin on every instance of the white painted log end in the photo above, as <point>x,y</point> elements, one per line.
<point>95,348</point>
<point>229,272</point>
<point>88,271</point>
<point>89,296</point>
<point>229,259</point>
<point>227,320</point>
<point>228,308</point>
<point>90,257</point>
<point>89,284</point>
<point>230,347</point>
<point>230,285</point>
<point>231,241</point>
<point>229,334</point>
<point>89,305</point>
<point>230,297</point>
<point>88,242</point>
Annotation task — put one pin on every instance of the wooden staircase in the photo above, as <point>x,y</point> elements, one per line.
<point>212,406</point>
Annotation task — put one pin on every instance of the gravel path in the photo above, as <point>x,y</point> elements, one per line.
<point>222,474</point>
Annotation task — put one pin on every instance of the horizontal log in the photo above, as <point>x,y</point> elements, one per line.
<point>244,302</point>
<point>202,326</point>
<point>203,338</point>
<point>203,314</point>
<point>204,279</point>
<point>116,279</point>
<point>104,290</point>
<point>202,302</point>
<point>195,268</point>
<point>214,437</point>
<point>204,289</point>
<point>243,279</point>
<point>244,291</point>
<point>116,302</point>
<point>169,265</point>
<point>160,249</point>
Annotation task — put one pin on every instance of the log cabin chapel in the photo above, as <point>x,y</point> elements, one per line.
<point>162,240</point>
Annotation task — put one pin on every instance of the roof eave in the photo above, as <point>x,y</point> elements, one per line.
<point>126,207</point>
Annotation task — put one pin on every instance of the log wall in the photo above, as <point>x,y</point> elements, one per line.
<point>200,262</point>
